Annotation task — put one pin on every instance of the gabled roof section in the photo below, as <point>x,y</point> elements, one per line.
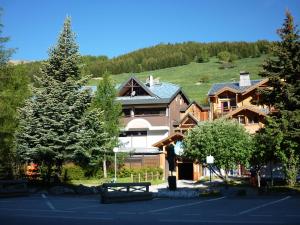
<point>231,86</point>
<point>203,108</point>
<point>186,117</point>
<point>157,93</point>
<point>259,111</point>
<point>168,140</point>
<point>132,84</point>
<point>251,88</point>
<point>184,95</point>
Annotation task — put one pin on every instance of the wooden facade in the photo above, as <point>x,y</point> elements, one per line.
<point>150,111</point>
<point>236,102</point>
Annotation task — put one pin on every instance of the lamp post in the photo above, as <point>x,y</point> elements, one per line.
<point>209,161</point>
<point>115,150</point>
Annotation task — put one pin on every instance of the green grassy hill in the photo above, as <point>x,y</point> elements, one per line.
<point>189,76</point>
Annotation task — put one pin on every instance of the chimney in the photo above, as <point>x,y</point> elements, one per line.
<point>244,79</point>
<point>150,81</point>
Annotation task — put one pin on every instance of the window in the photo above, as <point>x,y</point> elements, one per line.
<point>126,112</point>
<point>150,111</point>
<point>225,106</point>
<point>233,102</point>
<point>133,133</point>
<point>253,119</point>
<point>241,119</point>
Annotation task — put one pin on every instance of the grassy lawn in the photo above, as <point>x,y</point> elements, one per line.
<point>97,182</point>
<point>188,76</point>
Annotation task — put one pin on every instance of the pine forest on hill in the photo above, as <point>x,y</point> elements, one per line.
<point>170,55</point>
<point>194,66</point>
<point>197,78</point>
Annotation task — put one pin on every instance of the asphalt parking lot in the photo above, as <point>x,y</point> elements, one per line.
<point>41,209</point>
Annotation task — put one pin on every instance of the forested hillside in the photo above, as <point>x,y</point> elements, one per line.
<point>197,78</point>
<point>163,56</point>
<point>170,55</point>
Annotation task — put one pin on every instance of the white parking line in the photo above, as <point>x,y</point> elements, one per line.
<point>49,204</point>
<point>183,205</point>
<point>263,205</point>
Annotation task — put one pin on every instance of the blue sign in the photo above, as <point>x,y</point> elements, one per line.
<point>178,148</point>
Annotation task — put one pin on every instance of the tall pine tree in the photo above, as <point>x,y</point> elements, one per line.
<point>283,71</point>
<point>50,125</point>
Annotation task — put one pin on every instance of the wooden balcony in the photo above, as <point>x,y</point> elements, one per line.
<point>220,112</point>
<point>154,120</point>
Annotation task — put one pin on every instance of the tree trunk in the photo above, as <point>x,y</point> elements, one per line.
<point>258,178</point>
<point>272,178</point>
<point>104,167</point>
<point>219,174</point>
<point>226,175</point>
<point>226,179</point>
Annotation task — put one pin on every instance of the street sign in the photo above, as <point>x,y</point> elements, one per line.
<point>209,159</point>
<point>178,148</point>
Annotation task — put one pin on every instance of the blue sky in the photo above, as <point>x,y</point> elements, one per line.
<point>115,27</point>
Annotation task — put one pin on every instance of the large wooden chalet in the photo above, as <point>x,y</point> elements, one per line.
<point>154,114</point>
<point>158,114</point>
<point>235,100</point>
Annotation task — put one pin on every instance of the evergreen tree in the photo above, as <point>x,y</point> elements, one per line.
<point>50,125</point>
<point>13,91</point>
<point>283,72</point>
<point>105,100</point>
<point>94,141</point>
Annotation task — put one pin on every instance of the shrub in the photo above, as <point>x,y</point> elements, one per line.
<point>126,172</point>
<point>202,57</point>
<point>224,56</point>
<point>204,79</point>
<point>72,172</point>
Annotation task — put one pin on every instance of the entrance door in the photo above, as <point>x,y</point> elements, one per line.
<point>185,171</point>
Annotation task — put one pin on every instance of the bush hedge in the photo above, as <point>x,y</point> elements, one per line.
<point>126,172</point>
<point>71,171</point>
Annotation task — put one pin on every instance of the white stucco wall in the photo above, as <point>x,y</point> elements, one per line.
<point>144,141</point>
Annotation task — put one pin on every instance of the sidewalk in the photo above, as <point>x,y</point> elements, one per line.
<point>181,184</point>
<point>185,189</point>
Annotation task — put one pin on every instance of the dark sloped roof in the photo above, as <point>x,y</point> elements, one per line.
<point>161,93</point>
<point>232,85</point>
<point>140,100</point>
<point>139,82</point>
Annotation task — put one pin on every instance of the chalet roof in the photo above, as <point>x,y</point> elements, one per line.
<point>234,86</point>
<point>121,86</point>
<point>166,141</point>
<point>190,115</point>
<point>202,107</point>
<point>159,93</point>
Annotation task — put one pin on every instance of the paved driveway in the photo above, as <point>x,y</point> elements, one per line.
<point>73,210</point>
